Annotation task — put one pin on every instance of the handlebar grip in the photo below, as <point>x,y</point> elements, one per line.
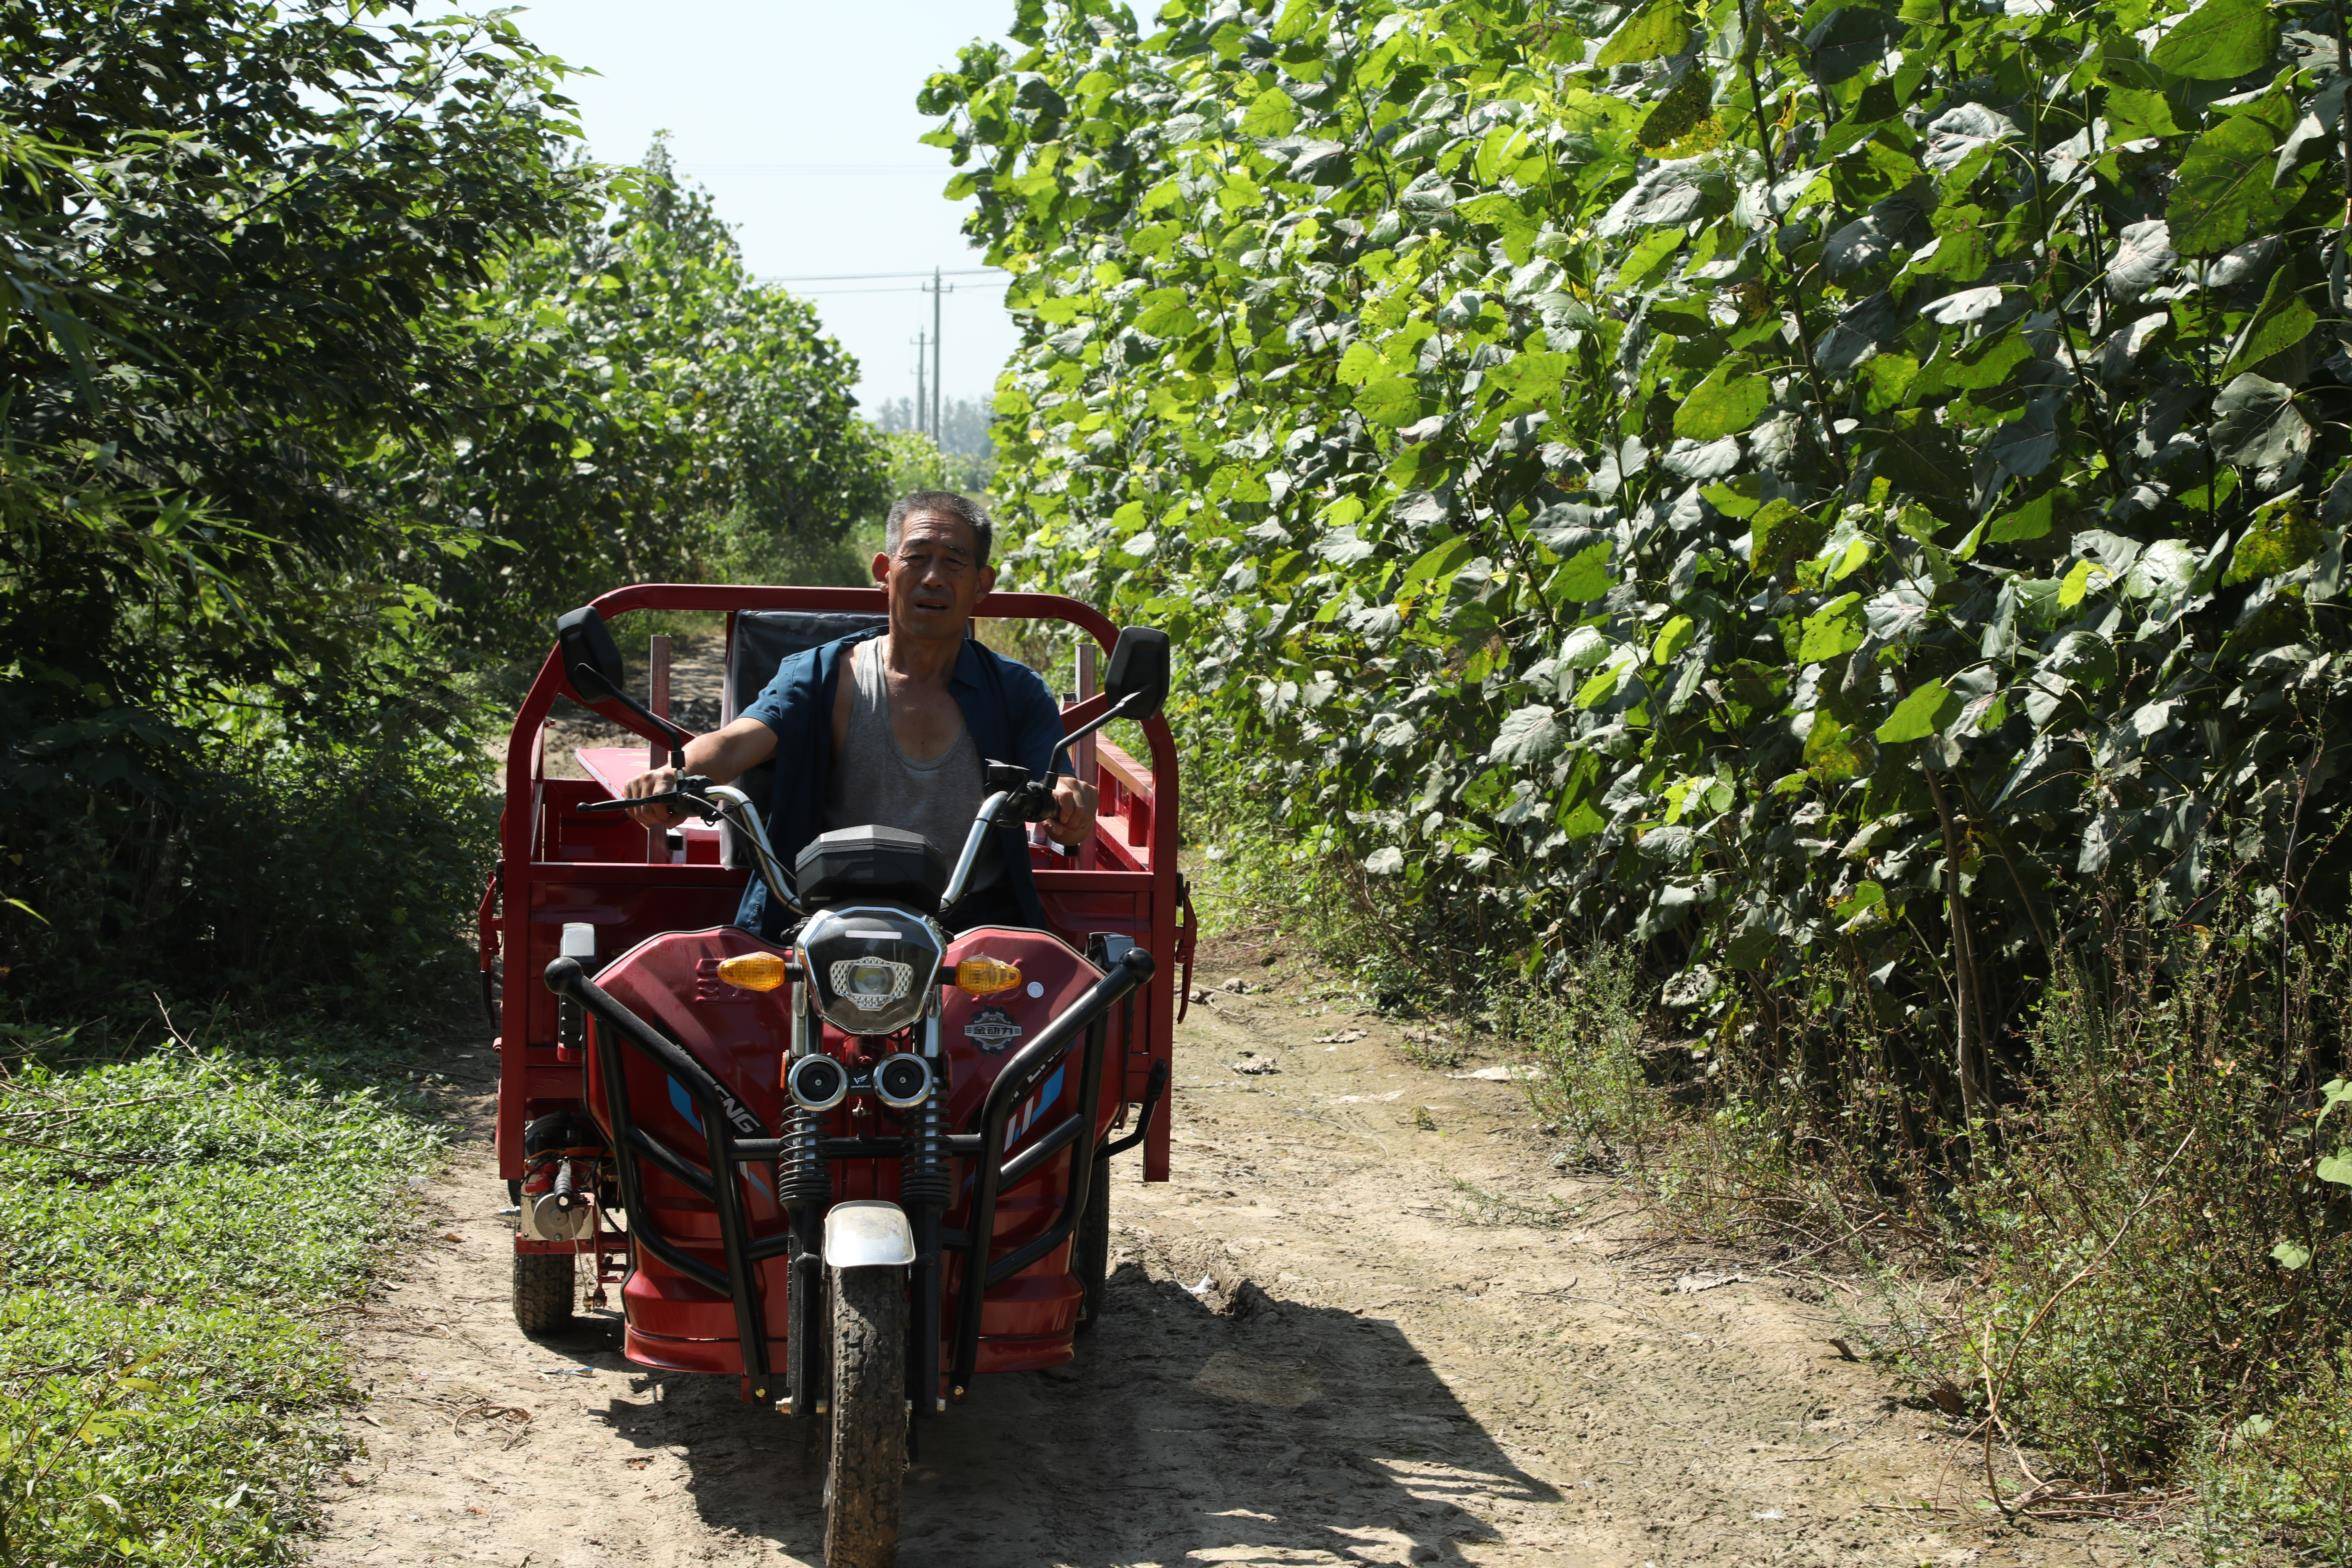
<point>689,784</point>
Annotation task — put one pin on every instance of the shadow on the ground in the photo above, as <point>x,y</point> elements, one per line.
<point>1287,1434</point>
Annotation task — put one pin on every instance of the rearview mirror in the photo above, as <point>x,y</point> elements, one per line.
<point>592,673</point>
<point>1137,680</point>
<point>591,659</point>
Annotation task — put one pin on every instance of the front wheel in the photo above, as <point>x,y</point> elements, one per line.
<point>866,1448</point>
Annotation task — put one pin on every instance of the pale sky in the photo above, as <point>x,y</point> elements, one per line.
<point>800,119</point>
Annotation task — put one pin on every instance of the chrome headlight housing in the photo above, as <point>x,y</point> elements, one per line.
<point>871,968</point>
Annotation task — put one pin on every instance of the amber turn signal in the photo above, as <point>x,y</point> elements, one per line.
<point>986,976</point>
<point>754,971</point>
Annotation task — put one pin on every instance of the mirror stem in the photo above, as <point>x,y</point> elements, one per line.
<point>676,737</point>
<point>1114,711</point>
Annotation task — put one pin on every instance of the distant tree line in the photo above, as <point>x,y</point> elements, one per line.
<point>964,423</point>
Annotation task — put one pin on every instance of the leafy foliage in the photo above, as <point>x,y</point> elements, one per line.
<point>1839,495</point>
<point>1791,488</point>
<point>667,408</point>
<point>316,332</point>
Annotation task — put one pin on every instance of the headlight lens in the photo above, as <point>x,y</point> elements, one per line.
<point>873,966</point>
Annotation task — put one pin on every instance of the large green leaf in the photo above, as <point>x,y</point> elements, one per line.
<point>1724,404</point>
<point>1836,628</point>
<point>1388,400</point>
<point>1658,29</point>
<point>2219,41</point>
<point>1528,735</point>
<point>1271,113</point>
<point>2224,194</point>
<point>1586,576</point>
<point>1918,715</point>
<point>2256,423</point>
<point>2280,539</point>
<point>1167,313</point>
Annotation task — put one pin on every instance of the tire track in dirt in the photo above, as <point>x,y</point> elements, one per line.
<point>1366,1323</point>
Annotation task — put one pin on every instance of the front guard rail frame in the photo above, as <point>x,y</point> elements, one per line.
<point>726,1150</point>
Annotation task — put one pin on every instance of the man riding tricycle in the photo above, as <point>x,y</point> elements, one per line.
<point>818,1032</point>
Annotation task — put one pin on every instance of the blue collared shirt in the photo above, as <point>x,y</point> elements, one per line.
<point>1007,709</point>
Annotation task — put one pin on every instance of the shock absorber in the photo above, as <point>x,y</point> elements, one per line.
<point>803,1186</point>
<point>922,1181</point>
<point>801,1177</point>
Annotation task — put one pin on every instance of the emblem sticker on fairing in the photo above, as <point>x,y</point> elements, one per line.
<point>992,1029</point>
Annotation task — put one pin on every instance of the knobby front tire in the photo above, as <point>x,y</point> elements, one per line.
<point>866,1449</point>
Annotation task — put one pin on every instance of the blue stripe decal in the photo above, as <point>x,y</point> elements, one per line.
<point>683,1104</point>
<point>1045,1097</point>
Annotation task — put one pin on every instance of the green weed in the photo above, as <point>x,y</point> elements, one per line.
<point>179,1232</point>
<point>1475,1205</point>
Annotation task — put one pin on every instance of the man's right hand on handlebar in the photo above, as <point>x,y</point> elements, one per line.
<point>662,814</point>
<point>720,757</point>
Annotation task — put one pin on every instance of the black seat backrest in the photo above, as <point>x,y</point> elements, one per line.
<point>758,641</point>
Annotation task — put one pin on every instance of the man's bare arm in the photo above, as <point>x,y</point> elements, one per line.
<point>722,756</point>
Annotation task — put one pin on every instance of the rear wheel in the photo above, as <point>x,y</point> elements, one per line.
<point>866,1448</point>
<point>543,1292</point>
<point>1091,1251</point>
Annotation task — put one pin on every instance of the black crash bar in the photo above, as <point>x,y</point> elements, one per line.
<point>726,1150</point>
<point>565,977</point>
<point>1012,1085</point>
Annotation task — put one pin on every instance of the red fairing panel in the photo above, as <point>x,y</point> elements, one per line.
<point>742,1037</point>
<point>672,983</point>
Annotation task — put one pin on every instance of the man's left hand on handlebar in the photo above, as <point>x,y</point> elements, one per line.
<point>1072,822</point>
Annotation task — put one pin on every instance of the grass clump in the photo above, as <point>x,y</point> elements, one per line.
<point>2155,1241</point>
<point>2286,1476</point>
<point>1585,1034</point>
<point>176,1230</point>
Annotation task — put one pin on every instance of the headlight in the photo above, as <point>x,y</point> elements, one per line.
<point>873,967</point>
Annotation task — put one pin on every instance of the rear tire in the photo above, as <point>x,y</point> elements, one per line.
<point>543,1292</point>
<point>866,1447</point>
<point>1090,1253</point>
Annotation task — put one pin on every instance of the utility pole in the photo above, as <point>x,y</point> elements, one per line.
<point>935,288</point>
<point>921,407</point>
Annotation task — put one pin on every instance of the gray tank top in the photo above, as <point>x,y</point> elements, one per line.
<point>876,783</point>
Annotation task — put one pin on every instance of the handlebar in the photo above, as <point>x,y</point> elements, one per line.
<point>691,792</point>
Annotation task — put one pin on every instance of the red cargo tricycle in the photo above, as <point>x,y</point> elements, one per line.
<point>860,1167</point>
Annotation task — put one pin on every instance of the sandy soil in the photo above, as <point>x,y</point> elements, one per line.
<point>1366,1323</point>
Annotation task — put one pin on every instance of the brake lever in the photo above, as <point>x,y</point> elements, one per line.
<point>687,792</point>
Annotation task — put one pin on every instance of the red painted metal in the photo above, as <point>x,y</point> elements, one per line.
<point>666,921</point>
<point>672,982</point>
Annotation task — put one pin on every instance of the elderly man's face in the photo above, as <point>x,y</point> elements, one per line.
<point>934,577</point>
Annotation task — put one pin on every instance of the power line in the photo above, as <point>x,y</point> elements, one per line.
<point>861,277</point>
<point>888,288</point>
<point>814,168</point>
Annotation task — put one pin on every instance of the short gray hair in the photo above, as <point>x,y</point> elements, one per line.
<point>946,503</point>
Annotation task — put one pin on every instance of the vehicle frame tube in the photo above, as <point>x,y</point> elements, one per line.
<point>1011,1086</point>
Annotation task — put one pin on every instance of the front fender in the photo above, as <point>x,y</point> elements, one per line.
<point>868,1233</point>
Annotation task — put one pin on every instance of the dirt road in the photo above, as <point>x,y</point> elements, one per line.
<point>1366,1323</point>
